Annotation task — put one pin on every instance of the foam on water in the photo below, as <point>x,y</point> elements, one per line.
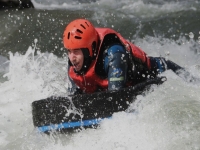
<point>28,80</point>
<point>137,7</point>
<point>3,67</point>
<point>110,12</point>
<point>165,118</point>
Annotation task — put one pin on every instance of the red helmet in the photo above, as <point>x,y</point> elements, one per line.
<point>80,34</point>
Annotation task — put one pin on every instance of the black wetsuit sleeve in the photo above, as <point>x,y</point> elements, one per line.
<point>115,65</point>
<point>160,64</point>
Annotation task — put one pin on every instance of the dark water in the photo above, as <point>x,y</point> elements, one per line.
<point>19,28</point>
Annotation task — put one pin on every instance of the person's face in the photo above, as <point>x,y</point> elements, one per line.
<point>76,58</point>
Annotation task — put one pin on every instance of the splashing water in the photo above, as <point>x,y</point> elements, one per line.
<point>165,118</point>
<point>30,78</point>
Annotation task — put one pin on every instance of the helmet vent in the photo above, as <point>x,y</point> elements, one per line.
<point>78,37</point>
<point>68,36</point>
<point>79,31</point>
<point>87,24</point>
<point>83,26</point>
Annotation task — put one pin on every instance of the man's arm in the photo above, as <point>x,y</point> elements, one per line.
<point>116,65</point>
<point>160,64</point>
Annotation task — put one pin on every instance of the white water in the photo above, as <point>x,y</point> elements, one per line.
<point>136,8</point>
<point>166,118</point>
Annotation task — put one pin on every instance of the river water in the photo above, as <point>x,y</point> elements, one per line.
<point>33,66</point>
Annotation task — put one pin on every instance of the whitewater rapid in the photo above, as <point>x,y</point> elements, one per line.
<point>166,117</point>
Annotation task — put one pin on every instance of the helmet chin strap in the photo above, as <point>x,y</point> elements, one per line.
<point>87,60</point>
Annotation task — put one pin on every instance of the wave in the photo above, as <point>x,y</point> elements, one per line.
<point>166,118</point>
<point>142,7</point>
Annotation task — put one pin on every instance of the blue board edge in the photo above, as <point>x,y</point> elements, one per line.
<point>68,125</point>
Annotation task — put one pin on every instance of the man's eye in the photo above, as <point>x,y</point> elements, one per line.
<point>76,52</point>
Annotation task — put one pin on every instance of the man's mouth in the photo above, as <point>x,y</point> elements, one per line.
<point>75,65</point>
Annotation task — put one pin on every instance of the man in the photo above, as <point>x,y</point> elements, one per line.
<point>101,59</point>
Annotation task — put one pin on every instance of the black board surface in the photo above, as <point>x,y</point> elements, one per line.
<point>84,110</point>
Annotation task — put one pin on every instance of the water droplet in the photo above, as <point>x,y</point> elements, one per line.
<point>191,35</point>
<point>199,39</point>
<point>167,53</point>
<point>35,41</point>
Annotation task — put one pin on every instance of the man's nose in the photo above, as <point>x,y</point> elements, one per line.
<point>72,56</point>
